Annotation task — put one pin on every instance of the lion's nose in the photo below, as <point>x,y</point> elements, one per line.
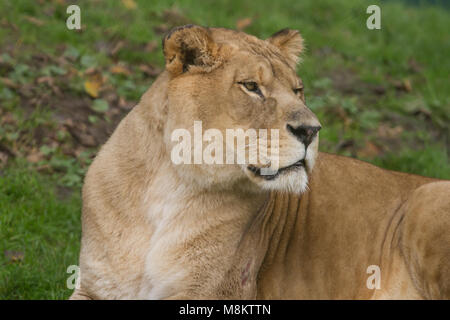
<point>304,133</point>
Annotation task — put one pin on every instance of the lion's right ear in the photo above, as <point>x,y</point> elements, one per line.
<point>290,42</point>
<point>190,48</point>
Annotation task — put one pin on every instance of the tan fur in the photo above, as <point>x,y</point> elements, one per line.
<point>155,230</point>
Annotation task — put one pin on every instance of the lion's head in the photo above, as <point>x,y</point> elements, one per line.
<point>224,79</point>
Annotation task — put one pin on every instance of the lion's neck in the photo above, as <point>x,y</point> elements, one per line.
<point>170,201</point>
<point>190,222</point>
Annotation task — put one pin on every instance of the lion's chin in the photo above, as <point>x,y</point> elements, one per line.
<point>292,181</point>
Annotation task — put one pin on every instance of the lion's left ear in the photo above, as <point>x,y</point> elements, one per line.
<point>290,42</point>
<point>190,48</point>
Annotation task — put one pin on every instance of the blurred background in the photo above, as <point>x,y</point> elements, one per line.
<point>381,96</point>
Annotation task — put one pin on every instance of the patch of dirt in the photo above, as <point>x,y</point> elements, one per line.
<point>388,134</point>
<point>76,123</point>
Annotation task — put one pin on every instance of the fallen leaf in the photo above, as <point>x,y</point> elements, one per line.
<point>6,23</point>
<point>385,131</point>
<point>45,79</point>
<point>91,71</point>
<point>85,139</point>
<point>407,85</point>
<point>129,4</point>
<point>118,69</point>
<point>34,21</point>
<point>243,23</point>
<point>68,123</point>
<point>3,159</point>
<point>119,45</point>
<point>9,83</point>
<point>93,85</point>
<point>14,256</point>
<point>404,85</point>
<point>92,88</point>
<point>35,156</point>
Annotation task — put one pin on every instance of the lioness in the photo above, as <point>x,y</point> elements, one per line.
<point>311,230</point>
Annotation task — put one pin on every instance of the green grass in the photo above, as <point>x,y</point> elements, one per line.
<point>427,162</point>
<point>343,65</point>
<point>42,227</point>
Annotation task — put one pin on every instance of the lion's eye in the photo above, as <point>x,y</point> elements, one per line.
<point>298,91</point>
<point>252,87</point>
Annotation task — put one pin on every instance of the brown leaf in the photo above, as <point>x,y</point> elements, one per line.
<point>45,79</point>
<point>404,85</point>
<point>68,123</point>
<point>407,85</point>
<point>129,4</point>
<point>85,139</point>
<point>91,71</point>
<point>384,131</point>
<point>243,23</point>
<point>80,133</point>
<point>7,24</point>
<point>93,85</point>
<point>3,159</point>
<point>119,45</point>
<point>35,21</point>
<point>9,83</point>
<point>35,156</point>
<point>92,88</point>
<point>119,69</point>
<point>14,256</point>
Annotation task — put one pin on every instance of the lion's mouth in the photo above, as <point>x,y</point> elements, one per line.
<point>295,166</point>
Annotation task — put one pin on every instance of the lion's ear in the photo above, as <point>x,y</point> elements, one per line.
<point>290,42</point>
<point>189,47</point>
